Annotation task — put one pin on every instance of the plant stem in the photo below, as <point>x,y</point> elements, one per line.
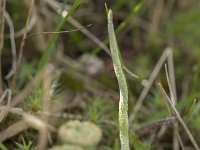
<point>51,45</point>
<point>123,103</point>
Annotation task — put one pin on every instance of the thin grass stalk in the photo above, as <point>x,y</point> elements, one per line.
<point>97,41</point>
<point>172,86</point>
<point>151,80</point>
<point>22,95</point>
<point>21,49</point>
<point>123,103</point>
<point>123,24</point>
<point>169,101</point>
<point>2,11</point>
<point>51,45</point>
<point>13,45</point>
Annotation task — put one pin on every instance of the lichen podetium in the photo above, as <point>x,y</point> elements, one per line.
<point>123,103</point>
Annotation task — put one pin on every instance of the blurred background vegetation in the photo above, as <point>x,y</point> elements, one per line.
<point>82,84</point>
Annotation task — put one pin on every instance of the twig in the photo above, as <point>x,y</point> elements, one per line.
<point>3,96</point>
<point>173,95</point>
<point>46,106</point>
<point>147,128</point>
<point>13,130</point>
<point>167,99</point>
<point>8,92</point>
<point>172,89</point>
<point>11,109</point>
<point>28,121</point>
<point>39,125</point>
<point>150,83</point>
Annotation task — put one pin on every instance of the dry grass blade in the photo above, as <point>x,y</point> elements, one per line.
<point>147,128</point>
<point>90,36</point>
<point>172,89</point>
<point>21,49</point>
<point>46,107</point>
<point>12,110</point>
<point>34,82</point>
<point>21,96</point>
<point>13,130</point>
<point>3,96</point>
<point>171,73</point>
<point>13,45</point>
<point>2,11</point>
<point>151,79</point>
<point>167,99</point>
<point>39,125</point>
<point>99,43</point>
<point>28,121</point>
<point>59,32</point>
<point>7,92</point>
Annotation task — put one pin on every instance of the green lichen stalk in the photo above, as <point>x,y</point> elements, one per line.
<point>123,103</point>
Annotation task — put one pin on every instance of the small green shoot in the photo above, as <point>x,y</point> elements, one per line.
<point>51,44</point>
<point>106,7</point>
<point>24,145</point>
<point>123,24</point>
